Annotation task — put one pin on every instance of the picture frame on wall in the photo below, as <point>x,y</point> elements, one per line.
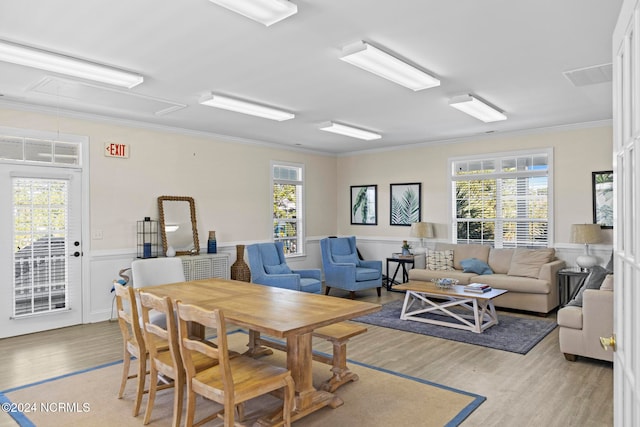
<point>602,197</point>
<point>405,206</point>
<point>364,205</point>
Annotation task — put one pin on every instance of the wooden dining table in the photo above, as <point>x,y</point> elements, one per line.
<point>280,313</point>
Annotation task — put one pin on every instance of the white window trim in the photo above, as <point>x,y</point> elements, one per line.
<point>499,155</point>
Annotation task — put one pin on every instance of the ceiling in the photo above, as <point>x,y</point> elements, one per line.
<point>510,53</point>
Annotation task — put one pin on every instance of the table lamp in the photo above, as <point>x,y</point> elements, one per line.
<point>422,230</point>
<point>586,234</point>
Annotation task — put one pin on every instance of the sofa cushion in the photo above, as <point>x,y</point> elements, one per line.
<point>464,251</point>
<point>348,259</point>
<point>607,284</point>
<point>515,284</point>
<point>570,317</point>
<point>500,260</point>
<point>474,265</point>
<point>593,281</point>
<point>277,269</point>
<point>527,262</point>
<point>440,260</point>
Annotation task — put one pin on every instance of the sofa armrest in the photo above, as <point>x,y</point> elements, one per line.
<point>549,272</point>
<point>597,313</point>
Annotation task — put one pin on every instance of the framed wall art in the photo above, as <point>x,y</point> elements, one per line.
<point>364,204</point>
<point>602,189</point>
<point>405,203</point>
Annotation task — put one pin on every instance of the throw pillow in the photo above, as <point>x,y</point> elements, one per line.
<point>527,262</point>
<point>348,259</point>
<point>440,260</point>
<point>593,281</point>
<point>474,265</point>
<point>609,266</point>
<point>277,269</point>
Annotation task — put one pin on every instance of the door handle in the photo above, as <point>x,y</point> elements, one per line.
<point>76,254</point>
<point>608,342</point>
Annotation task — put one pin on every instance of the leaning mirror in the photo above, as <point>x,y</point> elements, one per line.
<point>178,225</point>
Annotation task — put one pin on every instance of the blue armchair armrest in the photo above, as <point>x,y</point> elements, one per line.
<point>309,273</point>
<point>375,264</point>
<point>286,281</point>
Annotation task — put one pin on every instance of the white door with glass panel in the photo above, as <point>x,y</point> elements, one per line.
<point>41,263</point>
<point>626,241</point>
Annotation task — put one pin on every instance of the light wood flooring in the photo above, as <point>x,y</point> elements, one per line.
<point>540,388</point>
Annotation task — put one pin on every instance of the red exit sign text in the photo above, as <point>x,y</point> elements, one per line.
<point>111,149</point>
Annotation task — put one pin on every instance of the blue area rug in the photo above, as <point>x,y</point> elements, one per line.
<point>514,334</point>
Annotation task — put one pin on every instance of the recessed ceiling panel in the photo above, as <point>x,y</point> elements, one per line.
<point>111,98</point>
<point>590,75</point>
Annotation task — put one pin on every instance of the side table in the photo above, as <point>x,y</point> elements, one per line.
<point>570,280</point>
<point>402,262</point>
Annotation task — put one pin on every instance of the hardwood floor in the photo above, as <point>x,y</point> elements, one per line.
<point>537,389</point>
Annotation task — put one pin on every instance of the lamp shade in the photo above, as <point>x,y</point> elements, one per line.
<point>422,230</point>
<point>585,233</point>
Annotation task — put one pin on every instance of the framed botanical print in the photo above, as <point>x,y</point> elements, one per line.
<point>602,189</point>
<point>405,203</point>
<point>364,204</point>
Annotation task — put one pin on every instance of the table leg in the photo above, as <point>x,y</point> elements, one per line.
<point>307,399</point>
<point>255,349</point>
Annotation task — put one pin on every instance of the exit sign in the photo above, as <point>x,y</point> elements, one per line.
<point>111,149</point>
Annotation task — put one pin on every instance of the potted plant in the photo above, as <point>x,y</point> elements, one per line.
<point>405,248</point>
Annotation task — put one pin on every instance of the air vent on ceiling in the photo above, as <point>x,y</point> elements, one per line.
<point>590,75</point>
<point>112,98</point>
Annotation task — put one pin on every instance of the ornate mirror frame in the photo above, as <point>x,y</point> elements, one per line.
<point>194,225</point>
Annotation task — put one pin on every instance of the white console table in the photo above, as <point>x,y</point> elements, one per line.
<point>205,266</point>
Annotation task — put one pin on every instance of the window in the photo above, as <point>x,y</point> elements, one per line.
<point>39,150</point>
<point>288,215</point>
<point>41,224</point>
<point>503,200</point>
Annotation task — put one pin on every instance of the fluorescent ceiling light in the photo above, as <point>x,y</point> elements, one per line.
<point>36,58</point>
<point>374,60</point>
<point>475,107</point>
<point>245,107</point>
<point>349,131</point>
<point>267,12</point>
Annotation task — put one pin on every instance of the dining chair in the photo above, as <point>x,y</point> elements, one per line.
<point>133,342</point>
<point>164,354</point>
<point>235,379</point>
<point>157,271</point>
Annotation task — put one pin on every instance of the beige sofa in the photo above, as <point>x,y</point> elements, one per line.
<point>530,275</point>
<point>582,327</point>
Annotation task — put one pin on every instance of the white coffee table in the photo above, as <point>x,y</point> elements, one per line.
<point>426,297</point>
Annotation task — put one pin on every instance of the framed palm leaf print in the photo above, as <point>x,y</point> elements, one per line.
<point>405,201</point>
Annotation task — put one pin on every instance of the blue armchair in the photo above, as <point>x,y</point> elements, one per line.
<point>268,267</point>
<point>343,268</point>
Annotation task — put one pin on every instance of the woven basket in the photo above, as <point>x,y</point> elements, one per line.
<point>240,270</point>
